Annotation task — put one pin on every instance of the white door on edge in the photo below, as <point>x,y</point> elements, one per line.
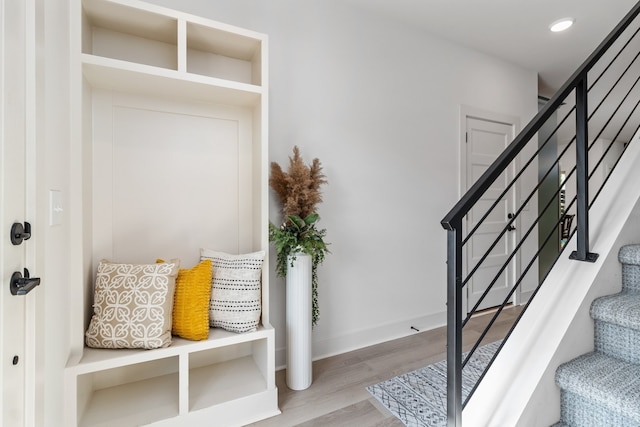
<point>13,130</point>
<point>485,141</point>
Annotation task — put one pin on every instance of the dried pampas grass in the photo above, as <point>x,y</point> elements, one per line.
<point>298,189</point>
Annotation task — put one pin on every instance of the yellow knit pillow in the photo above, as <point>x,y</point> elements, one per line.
<point>191,302</point>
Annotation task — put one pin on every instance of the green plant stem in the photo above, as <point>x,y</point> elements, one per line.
<point>300,235</point>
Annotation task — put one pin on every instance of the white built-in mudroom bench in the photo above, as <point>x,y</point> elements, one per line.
<point>169,138</point>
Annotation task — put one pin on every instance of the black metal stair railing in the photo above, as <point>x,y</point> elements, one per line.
<point>607,109</point>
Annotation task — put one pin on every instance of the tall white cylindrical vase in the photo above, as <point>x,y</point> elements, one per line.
<point>298,322</point>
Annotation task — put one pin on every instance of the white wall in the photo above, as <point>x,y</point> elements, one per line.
<point>378,103</point>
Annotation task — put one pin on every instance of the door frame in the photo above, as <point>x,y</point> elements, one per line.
<point>466,112</point>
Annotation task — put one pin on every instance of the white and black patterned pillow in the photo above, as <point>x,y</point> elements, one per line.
<point>132,305</point>
<point>235,303</point>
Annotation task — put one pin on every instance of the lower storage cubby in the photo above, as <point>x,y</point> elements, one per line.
<point>224,374</point>
<point>131,395</point>
<point>186,383</point>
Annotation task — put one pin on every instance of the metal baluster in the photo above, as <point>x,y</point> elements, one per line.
<point>454,324</point>
<point>582,174</point>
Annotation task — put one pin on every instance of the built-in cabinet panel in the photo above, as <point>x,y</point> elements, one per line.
<point>173,117</point>
<point>169,177</point>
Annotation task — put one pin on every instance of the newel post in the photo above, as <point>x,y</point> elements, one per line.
<point>582,174</point>
<point>454,325</point>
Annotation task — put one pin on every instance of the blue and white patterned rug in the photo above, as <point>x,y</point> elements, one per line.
<point>419,398</point>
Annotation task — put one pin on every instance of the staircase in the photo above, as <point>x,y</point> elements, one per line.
<point>599,389</point>
<point>602,388</point>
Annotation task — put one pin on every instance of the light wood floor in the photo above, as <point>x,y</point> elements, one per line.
<point>338,396</point>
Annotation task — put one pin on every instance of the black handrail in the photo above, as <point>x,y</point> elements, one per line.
<point>453,221</point>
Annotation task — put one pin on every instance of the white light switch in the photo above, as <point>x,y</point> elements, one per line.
<point>55,207</point>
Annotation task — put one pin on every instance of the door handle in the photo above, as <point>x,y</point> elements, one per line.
<point>511,216</point>
<point>20,232</point>
<point>20,285</point>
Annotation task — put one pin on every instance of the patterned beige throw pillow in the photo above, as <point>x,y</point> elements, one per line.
<point>132,305</point>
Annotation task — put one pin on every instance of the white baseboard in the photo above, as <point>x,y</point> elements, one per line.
<point>366,337</point>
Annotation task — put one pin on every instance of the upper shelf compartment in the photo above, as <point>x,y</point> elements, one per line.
<point>216,53</point>
<point>187,55</point>
<point>118,31</point>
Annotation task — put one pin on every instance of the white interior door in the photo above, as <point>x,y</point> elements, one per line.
<point>485,141</point>
<point>12,208</point>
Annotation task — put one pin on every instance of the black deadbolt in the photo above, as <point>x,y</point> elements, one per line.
<point>20,232</point>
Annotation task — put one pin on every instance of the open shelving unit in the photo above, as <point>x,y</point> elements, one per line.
<point>173,157</point>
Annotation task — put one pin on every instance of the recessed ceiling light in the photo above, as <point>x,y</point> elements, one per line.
<point>561,24</point>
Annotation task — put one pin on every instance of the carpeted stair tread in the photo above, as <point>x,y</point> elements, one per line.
<point>605,381</point>
<point>620,309</point>
<point>629,254</point>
